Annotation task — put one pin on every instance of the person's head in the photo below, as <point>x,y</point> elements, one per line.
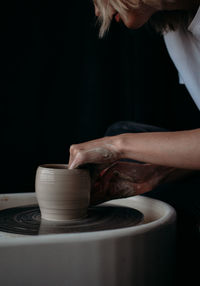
<point>135,13</point>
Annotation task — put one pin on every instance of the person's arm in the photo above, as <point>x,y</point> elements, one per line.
<point>180,149</point>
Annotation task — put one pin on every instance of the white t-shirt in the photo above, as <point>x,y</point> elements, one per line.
<point>184,49</point>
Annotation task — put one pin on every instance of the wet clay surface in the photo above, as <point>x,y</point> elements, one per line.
<point>26,220</point>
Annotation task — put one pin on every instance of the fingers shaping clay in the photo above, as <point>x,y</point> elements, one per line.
<point>62,194</point>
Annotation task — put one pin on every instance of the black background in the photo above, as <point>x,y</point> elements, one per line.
<point>61,85</point>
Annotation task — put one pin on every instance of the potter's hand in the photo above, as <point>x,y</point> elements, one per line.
<point>103,152</point>
<point>125,179</point>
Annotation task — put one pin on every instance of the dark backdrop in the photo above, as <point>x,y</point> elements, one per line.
<point>60,84</point>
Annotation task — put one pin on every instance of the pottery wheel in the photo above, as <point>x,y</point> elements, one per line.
<point>26,220</point>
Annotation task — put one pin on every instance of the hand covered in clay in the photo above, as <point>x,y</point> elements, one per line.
<point>125,179</point>
<point>103,152</point>
<point>112,178</point>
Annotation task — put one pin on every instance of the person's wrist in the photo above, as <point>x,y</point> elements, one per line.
<point>120,144</point>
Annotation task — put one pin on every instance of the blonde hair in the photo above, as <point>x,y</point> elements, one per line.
<point>106,9</point>
<point>162,21</point>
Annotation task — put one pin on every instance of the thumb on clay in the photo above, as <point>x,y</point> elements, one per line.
<point>73,165</point>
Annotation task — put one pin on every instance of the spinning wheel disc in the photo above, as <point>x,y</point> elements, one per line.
<point>26,220</point>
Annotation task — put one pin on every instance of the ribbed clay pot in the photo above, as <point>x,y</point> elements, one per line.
<point>62,194</point>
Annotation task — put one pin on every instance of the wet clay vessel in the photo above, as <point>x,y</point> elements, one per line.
<point>62,194</point>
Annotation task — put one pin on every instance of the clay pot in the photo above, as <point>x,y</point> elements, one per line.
<point>62,194</point>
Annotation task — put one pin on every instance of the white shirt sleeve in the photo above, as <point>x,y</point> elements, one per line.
<point>194,26</point>
<point>183,46</point>
<point>181,81</point>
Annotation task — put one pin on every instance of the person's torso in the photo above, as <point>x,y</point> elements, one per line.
<point>184,49</point>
